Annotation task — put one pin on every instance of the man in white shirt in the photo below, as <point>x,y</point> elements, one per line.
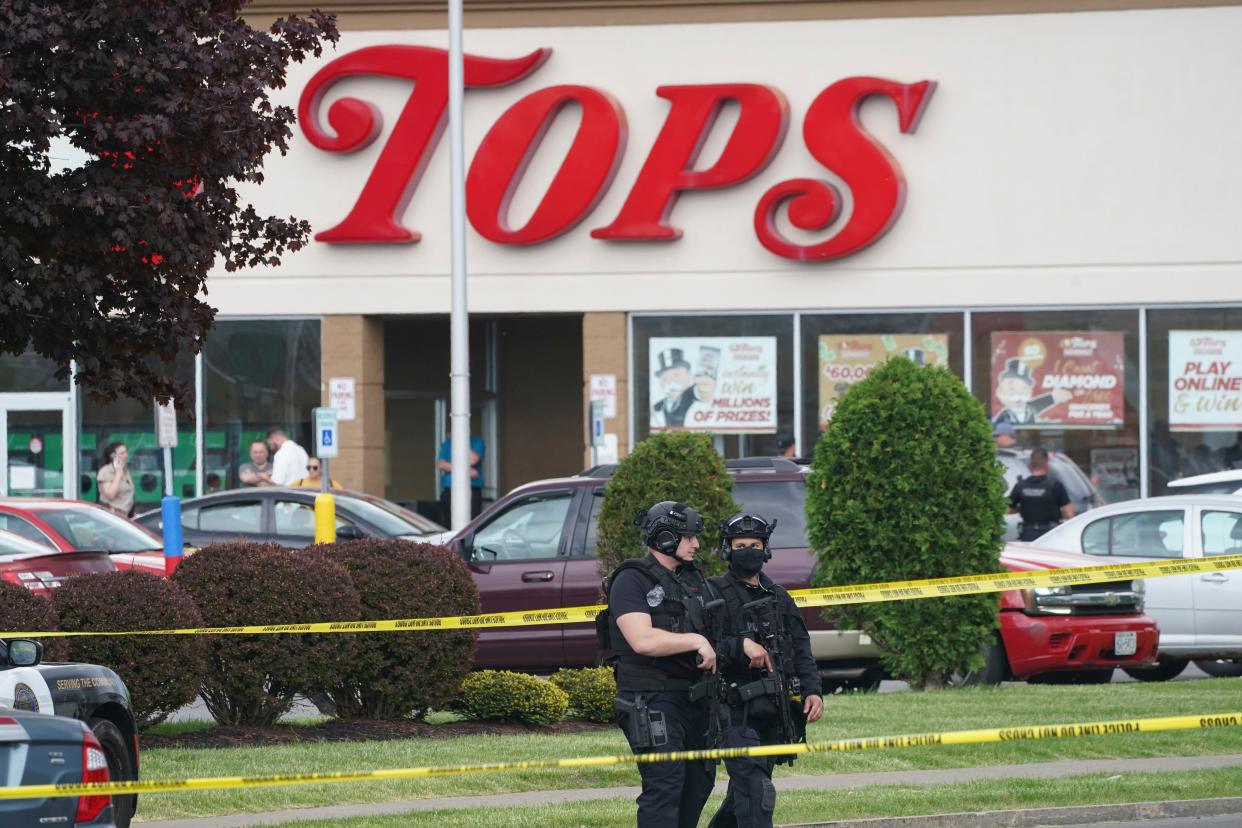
<point>289,459</point>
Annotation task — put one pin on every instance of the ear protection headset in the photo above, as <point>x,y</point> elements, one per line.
<point>666,523</point>
<point>743,525</point>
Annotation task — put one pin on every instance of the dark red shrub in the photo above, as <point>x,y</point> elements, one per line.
<point>162,672</point>
<point>23,611</point>
<point>404,674</point>
<point>252,679</point>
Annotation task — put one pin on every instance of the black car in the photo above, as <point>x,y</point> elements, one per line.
<point>271,514</point>
<point>36,702</point>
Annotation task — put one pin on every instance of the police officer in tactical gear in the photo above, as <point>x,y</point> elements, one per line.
<point>1039,498</point>
<point>770,683</point>
<point>661,611</point>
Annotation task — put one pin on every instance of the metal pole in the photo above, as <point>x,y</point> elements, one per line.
<point>200,429</point>
<point>459,322</point>
<point>1144,435</point>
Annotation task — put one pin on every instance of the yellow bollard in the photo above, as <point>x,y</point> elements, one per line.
<point>325,518</point>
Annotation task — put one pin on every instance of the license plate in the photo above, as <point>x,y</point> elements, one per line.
<point>1125,643</point>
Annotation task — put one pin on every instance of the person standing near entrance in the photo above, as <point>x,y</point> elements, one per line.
<point>116,487</point>
<point>444,462</point>
<point>1039,498</point>
<point>659,622</point>
<point>258,472</point>
<point>314,477</point>
<point>289,460</point>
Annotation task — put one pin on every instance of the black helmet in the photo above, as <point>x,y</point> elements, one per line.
<point>664,524</point>
<point>745,525</point>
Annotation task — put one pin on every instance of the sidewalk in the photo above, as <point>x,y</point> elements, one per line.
<point>926,778</point>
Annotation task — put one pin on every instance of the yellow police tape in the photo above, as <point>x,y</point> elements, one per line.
<point>957,737</point>
<point>820,597</point>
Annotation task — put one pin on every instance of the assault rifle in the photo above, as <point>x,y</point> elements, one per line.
<point>773,684</point>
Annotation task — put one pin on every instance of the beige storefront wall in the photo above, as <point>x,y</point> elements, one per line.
<point>352,346</point>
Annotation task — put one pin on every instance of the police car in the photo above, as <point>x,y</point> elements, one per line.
<point>92,694</point>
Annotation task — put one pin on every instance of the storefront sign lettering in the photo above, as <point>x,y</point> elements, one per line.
<point>1205,380</point>
<point>1055,379</point>
<point>832,132</point>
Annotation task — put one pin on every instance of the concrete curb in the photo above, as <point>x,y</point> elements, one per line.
<point>846,781</point>
<point>1036,818</point>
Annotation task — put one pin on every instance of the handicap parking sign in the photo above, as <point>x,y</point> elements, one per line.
<point>325,432</point>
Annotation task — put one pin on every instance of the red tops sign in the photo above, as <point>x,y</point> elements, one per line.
<point>832,131</point>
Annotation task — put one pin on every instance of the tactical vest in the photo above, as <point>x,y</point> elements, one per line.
<point>781,611</point>
<point>680,610</point>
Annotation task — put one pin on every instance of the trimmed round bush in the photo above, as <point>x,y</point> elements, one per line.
<point>252,679</point>
<point>501,694</point>
<point>591,691</point>
<point>906,484</point>
<point>23,611</point>
<point>671,465</point>
<point>399,675</point>
<point>162,672</point>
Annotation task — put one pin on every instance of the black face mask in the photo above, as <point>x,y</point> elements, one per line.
<point>746,562</point>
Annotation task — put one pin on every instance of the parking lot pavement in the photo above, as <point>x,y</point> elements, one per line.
<point>1191,673</point>
<point>197,712</point>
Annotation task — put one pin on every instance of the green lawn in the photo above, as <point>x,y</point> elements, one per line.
<point>846,716</point>
<point>810,806</point>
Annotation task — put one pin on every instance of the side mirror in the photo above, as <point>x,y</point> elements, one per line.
<point>24,652</point>
<point>350,532</point>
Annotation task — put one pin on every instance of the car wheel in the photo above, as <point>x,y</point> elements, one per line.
<point>120,767</point>
<point>1221,667</point>
<point>994,670</point>
<point>1160,671</point>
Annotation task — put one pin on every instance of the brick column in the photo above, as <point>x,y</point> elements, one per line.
<point>605,350</point>
<point>353,346</point>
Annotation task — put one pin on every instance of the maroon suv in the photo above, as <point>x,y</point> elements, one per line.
<point>535,548</point>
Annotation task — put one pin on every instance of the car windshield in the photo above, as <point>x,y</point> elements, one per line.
<point>782,501</point>
<point>88,528</point>
<point>390,518</point>
<point>13,544</point>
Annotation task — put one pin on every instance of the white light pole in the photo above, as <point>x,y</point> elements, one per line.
<point>459,320</point>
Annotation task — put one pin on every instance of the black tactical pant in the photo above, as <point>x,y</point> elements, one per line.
<point>751,799</point>
<point>674,793</point>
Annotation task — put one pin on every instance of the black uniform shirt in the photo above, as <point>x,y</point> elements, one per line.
<point>1039,499</point>
<point>632,591</point>
<point>803,662</point>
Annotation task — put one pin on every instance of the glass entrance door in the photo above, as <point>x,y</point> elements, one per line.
<point>38,454</point>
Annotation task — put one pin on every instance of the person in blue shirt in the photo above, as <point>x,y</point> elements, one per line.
<point>444,463</point>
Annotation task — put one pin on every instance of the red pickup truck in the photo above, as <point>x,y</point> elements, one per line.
<point>535,548</point>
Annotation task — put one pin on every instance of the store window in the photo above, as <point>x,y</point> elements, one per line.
<point>131,423</point>
<point>258,373</point>
<point>29,372</point>
<point>1194,363</point>
<point>838,350</point>
<point>728,376</point>
<point>1067,381</point>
